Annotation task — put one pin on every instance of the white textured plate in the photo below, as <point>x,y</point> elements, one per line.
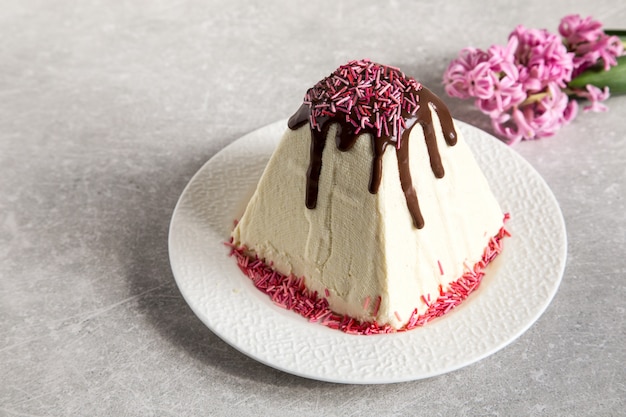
<point>516,290</point>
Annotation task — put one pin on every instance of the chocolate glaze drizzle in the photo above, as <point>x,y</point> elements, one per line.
<point>365,97</point>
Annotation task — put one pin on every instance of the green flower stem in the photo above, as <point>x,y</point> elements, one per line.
<point>534,98</point>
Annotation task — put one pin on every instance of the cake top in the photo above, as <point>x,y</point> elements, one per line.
<point>366,97</point>
<point>371,96</point>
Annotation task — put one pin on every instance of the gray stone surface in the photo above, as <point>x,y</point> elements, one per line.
<point>108,108</point>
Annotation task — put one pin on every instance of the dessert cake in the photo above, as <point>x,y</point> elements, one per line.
<point>372,215</point>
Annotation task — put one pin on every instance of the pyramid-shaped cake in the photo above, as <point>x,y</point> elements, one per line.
<point>375,200</point>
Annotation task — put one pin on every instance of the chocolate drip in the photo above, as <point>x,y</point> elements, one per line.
<point>378,145</point>
<point>347,135</point>
<point>315,168</point>
<point>300,117</point>
<point>406,181</point>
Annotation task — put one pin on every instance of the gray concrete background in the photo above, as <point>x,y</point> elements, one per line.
<point>108,108</point>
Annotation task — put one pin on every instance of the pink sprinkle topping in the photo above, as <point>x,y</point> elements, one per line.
<point>379,299</point>
<point>370,95</point>
<point>289,292</point>
<point>366,303</point>
<point>326,292</point>
<point>440,268</point>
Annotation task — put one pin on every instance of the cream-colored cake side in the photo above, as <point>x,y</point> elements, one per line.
<point>460,216</point>
<point>346,253</point>
<point>336,247</point>
<point>270,226</point>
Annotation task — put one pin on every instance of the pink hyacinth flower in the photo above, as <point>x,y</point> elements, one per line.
<point>521,86</point>
<point>605,48</point>
<point>577,30</point>
<point>481,81</point>
<point>502,58</point>
<point>595,96</point>
<point>551,112</point>
<point>538,119</point>
<point>457,79</point>
<point>542,58</point>
<point>589,43</point>
<point>507,92</point>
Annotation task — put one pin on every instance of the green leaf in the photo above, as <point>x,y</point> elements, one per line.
<point>614,32</point>
<point>614,78</point>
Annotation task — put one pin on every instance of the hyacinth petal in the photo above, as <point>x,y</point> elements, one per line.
<point>502,59</point>
<point>506,130</point>
<point>595,95</point>
<point>595,107</point>
<point>570,111</point>
<point>533,84</point>
<point>521,119</point>
<point>481,81</point>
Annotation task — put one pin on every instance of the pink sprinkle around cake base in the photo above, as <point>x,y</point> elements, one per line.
<point>289,292</point>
